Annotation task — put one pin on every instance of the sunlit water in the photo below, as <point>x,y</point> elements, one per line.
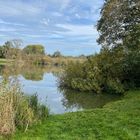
<point>47,92</point>
<point>58,101</point>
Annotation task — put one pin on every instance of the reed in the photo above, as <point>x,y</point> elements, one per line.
<point>18,111</point>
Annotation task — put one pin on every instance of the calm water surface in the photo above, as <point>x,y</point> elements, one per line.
<point>44,84</point>
<point>47,92</point>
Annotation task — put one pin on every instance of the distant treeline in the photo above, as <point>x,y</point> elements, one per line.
<point>34,54</point>
<point>11,49</point>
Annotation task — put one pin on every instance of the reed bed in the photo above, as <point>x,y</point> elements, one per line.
<point>18,111</point>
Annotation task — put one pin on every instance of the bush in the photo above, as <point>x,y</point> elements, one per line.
<point>112,70</point>
<point>80,76</point>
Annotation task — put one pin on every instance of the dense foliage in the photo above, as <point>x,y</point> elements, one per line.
<point>34,49</point>
<point>118,20</point>
<point>117,67</point>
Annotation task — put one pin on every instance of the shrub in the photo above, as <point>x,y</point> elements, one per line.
<point>80,76</point>
<point>112,70</point>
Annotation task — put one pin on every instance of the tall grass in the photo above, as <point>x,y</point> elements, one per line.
<point>18,110</point>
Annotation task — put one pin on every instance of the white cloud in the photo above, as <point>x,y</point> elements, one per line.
<point>2,35</point>
<point>64,4</point>
<point>33,35</point>
<point>57,14</point>
<point>77,15</point>
<point>11,23</point>
<point>86,30</point>
<point>7,29</point>
<point>45,21</point>
<point>17,8</point>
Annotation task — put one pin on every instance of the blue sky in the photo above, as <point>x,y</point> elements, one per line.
<point>64,25</point>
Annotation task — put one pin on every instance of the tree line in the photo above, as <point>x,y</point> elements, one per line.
<point>12,50</point>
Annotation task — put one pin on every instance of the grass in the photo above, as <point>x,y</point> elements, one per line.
<point>43,60</point>
<point>118,120</point>
<point>52,61</point>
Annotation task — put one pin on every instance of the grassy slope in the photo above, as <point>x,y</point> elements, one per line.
<point>118,120</point>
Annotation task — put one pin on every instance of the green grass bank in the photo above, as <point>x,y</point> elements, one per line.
<point>118,120</point>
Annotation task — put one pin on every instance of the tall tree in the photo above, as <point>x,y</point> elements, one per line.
<point>119,26</point>
<point>120,19</point>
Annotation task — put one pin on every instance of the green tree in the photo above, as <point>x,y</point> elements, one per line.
<point>119,27</point>
<point>34,49</point>
<point>118,19</point>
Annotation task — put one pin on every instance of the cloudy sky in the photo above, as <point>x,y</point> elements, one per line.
<point>64,25</point>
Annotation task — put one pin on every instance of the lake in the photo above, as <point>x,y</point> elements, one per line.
<point>44,82</point>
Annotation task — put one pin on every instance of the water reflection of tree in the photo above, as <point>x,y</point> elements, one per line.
<point>29,72</point>
<point>85,100</point>
<point>33,73</point>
